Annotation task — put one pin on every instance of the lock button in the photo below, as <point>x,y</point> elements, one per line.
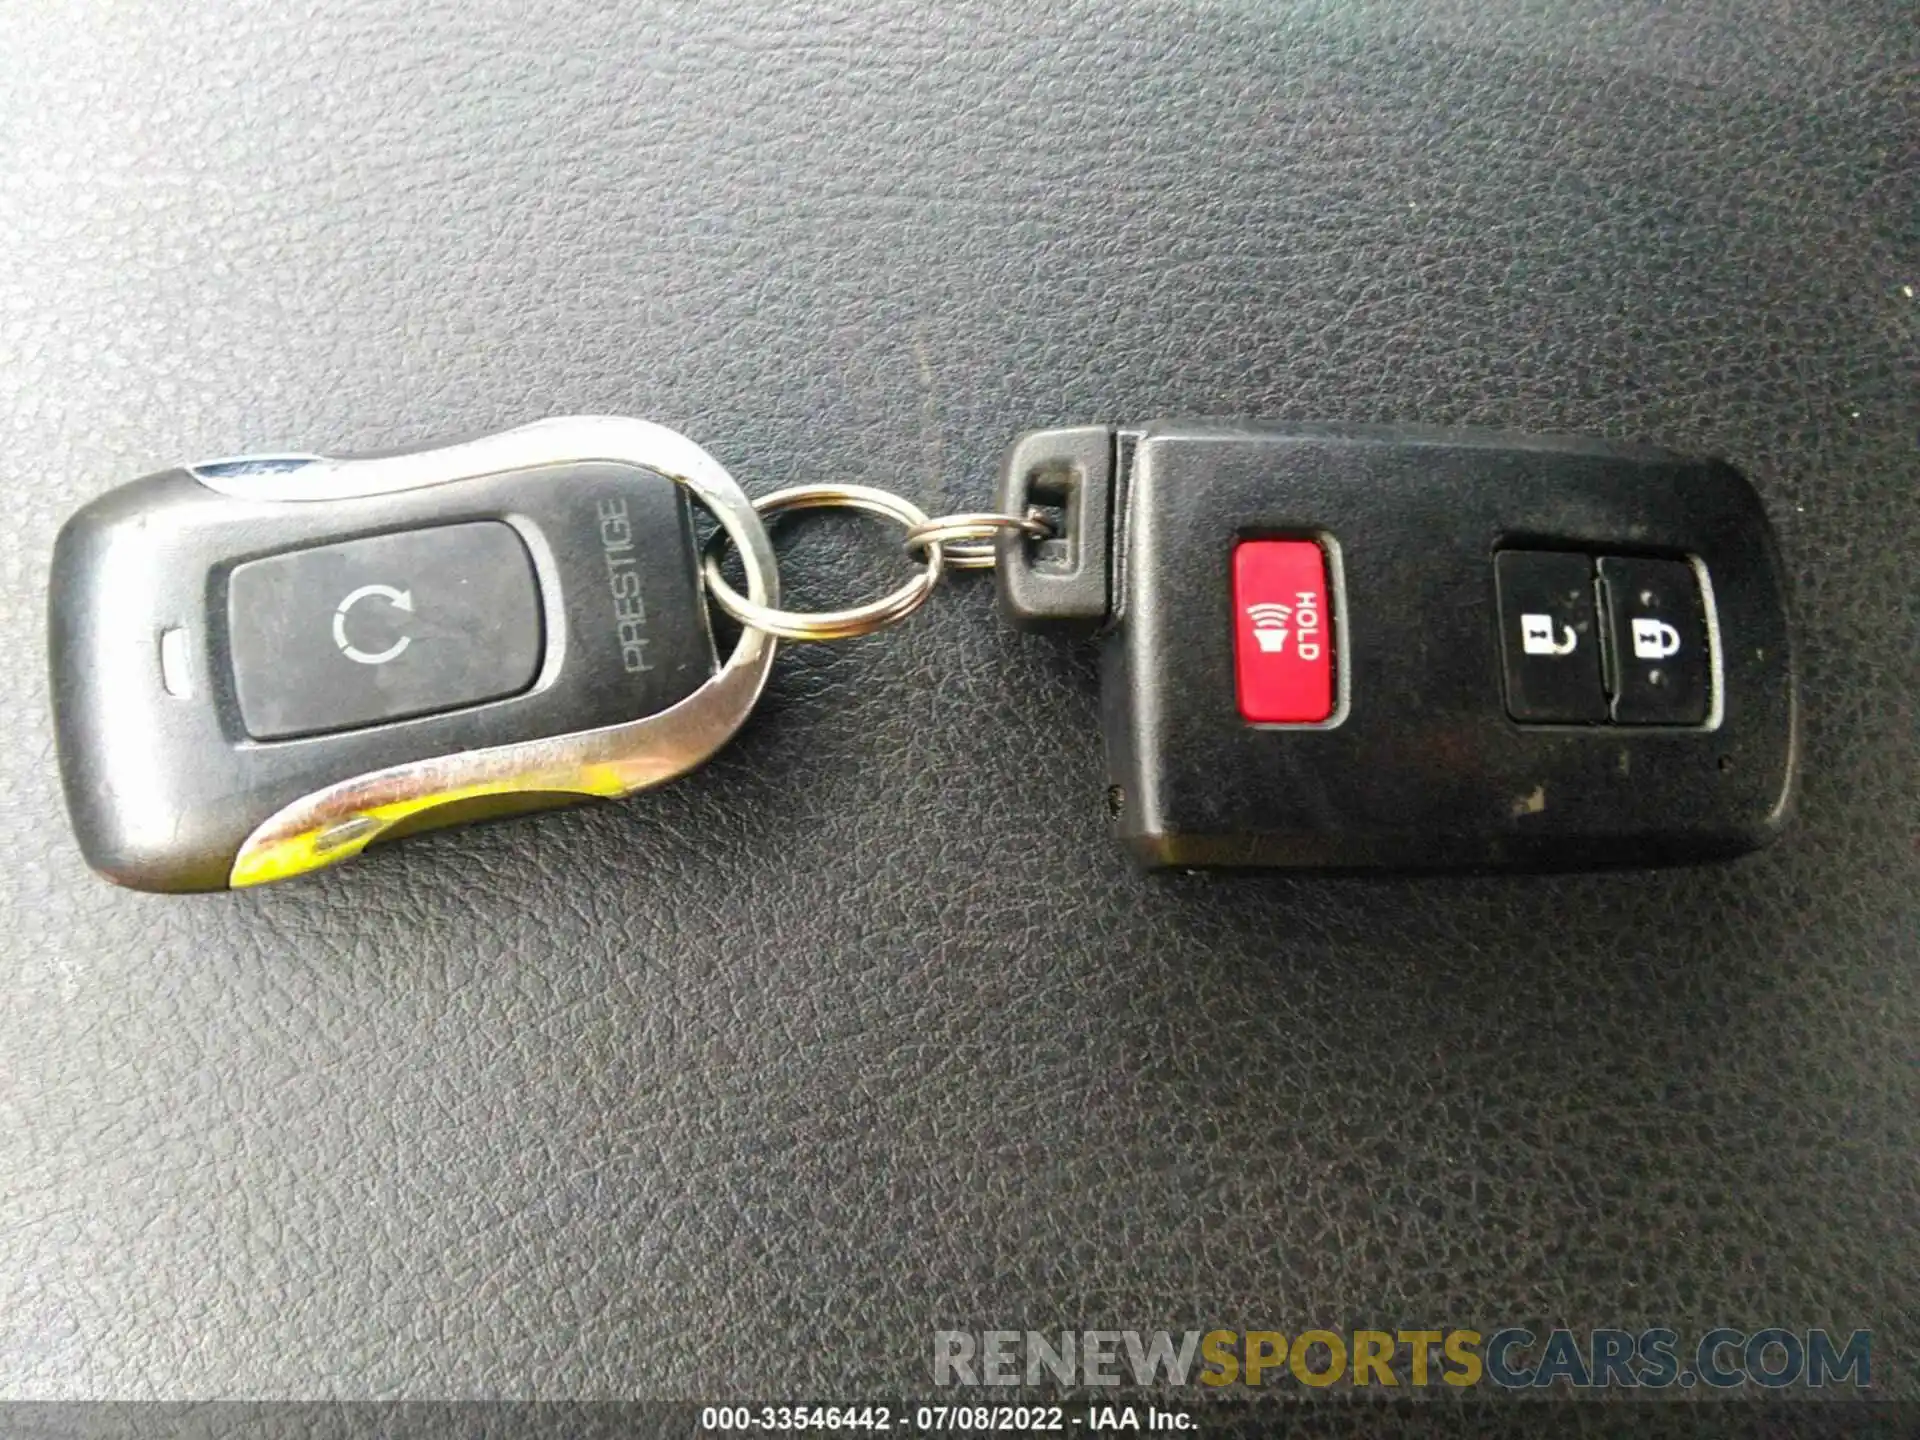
<point>1657,628</point>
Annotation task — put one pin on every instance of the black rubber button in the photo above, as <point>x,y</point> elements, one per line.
<point>1657,628</point>
<point>1549,637</point>
<point>340,637</point>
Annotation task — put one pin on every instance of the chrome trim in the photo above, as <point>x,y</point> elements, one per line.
<point>247,468</point>
<point>336,822</point>
<point>1716,656</point>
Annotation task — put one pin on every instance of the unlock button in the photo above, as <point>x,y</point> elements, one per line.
<point>1657,627</point>
<point>1549,640</point>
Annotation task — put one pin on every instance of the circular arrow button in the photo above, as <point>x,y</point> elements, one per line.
<point>399,599</point>
<point>383,627</point>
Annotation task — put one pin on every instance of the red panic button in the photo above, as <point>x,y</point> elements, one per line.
<point>1282,632</point>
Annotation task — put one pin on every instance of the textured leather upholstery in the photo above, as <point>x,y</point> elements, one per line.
<point>744,1087</point>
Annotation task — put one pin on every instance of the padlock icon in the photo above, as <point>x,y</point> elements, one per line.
<point>1654,640</point>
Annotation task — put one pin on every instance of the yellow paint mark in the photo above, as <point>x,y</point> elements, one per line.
<point>345,836</point>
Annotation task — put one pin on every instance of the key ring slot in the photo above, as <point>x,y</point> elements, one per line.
<point>889,609</point>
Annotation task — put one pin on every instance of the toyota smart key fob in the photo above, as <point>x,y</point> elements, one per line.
<point>1357,648</point>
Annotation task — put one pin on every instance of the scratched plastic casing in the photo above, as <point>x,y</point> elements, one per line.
<point>167,790</point>
<point>1420,765</point>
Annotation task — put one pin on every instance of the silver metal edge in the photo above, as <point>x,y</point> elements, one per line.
<point>611,760</point>
<point>1716,652</point>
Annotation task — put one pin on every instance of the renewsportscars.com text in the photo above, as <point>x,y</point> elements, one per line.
<point>1510,1358</point>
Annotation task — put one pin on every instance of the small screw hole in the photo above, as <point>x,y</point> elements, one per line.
<point>1116,801</point>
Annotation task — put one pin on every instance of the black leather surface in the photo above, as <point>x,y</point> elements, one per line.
<point>746,1086</point>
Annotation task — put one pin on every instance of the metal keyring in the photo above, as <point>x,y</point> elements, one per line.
<point>975,532</point>
<point>828,624</point>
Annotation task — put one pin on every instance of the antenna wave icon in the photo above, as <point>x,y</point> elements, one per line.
<point>1270,626</point>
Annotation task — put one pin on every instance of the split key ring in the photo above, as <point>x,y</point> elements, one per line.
<point>962,541</point>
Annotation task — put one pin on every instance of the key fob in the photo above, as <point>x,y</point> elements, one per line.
<point>1349,647</point>
<point>259,666</point>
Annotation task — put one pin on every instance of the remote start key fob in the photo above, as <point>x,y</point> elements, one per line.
<point>261,665</point>
<point>1355,648</point>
